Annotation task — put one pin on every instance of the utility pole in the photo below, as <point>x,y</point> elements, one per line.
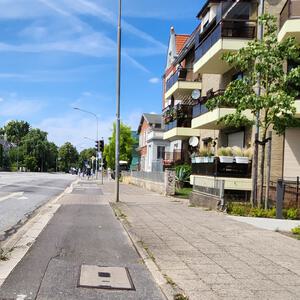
<point>260,34</point>
<point>118,89</point>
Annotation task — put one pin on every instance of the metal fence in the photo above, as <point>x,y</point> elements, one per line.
<point>213,187</point>
<point>150,176</point>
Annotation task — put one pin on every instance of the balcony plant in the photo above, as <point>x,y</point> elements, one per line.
<point>206,155</point>
<point>193,157</point>
<point>225,155</point>
<point>241,155</point>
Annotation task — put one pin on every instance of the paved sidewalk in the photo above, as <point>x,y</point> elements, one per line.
<point>84,230</point>
<point>209,255</point>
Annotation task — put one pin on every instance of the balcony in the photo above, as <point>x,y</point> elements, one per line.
<point>290,20</point>
<point>235,176</point>
<point>172,158</point>
<point>226,35</point>
<point>155,135</point>
<point>178,122</point>
<point>206,119</point>
<point>181,84</point>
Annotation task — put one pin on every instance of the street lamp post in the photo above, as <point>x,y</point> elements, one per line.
<point>97,121</point>
<point>118,90</point>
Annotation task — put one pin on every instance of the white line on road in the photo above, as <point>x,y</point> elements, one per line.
<point>12,195</point>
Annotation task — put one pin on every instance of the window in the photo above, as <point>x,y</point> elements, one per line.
<point>157,125</point>
<point>160,152</point>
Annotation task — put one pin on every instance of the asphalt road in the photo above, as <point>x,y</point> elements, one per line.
<point>22,193</point>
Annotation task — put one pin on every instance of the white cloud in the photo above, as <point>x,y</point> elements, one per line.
<point>154,80</point>
<point>19,108</point>
<point>75,128</point>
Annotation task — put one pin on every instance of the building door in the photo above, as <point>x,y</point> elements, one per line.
<point>292,153</point>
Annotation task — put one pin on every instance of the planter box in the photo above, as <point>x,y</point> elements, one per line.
<point>226,159</point>
<point>193,160</point>
<point>241,160</point>
<point>197,160</point>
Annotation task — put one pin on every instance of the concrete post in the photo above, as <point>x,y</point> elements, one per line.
<point>170,182</point>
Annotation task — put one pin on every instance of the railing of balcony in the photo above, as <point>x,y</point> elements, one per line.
<point>182,74</point>
<point>173,157</point>
<point>291,10</point>
<point>200,108</point>
<point>225,29</point>
<point>179,115</point>
<point>218,169</point>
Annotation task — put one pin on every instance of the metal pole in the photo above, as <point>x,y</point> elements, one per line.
<point>97,136</point>
<point>102,164</point>
<point>260,33</point>
<point>269,169</point>
<point>118,104</point>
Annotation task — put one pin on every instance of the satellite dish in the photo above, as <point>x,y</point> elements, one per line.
<point>196,94</point>
<point>193,141</point>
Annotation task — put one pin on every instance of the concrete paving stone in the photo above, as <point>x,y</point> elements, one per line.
<point>208,269</point>
<point>203,295</point>
<point>218,278</point>
<point>232,291</point>
<point>271,269</point>
<point>193,285</point>
<point>285,279</point>
<point>275,295</point>
<point>260,284</point>
<point>180,274</point>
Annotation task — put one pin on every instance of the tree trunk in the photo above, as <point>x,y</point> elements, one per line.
<point>262,171</point>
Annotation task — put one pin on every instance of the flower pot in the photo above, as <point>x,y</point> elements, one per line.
<point>197,160</point>
<point>205,159</point>
<point>226,159</point>
<point>210,159</point>
<point>201,159</point>
<point>241,160</point>
<point>193,160</point>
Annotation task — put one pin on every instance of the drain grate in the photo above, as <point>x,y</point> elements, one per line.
<point>114,278</point>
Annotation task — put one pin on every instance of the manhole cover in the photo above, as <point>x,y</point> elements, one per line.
<point>105,278</point>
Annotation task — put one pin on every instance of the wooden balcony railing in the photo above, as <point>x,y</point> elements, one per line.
<point>291,10</point>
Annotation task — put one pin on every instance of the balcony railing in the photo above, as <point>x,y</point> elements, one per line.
<point>291,10</point>
<point>200,108</point>
<point>218,169</point>
<point>225,29</point>
<point>182,74</point>
<point>173,157</point>
<point>179,115</point>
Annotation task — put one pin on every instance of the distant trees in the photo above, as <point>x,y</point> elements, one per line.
<point>68,157</point>
<point>126,144</point>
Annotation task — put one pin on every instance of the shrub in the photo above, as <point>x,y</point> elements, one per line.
<point>292,213</point>
<point>238,208</point>
<point>258,212</point>
<point>296,230</point>
<point>183,174</point>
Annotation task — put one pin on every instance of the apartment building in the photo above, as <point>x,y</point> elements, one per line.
<point>152,147</point>
<point>194,67</point>
<point>179,81</point>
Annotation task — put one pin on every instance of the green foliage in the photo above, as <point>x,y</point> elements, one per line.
<point>15,131</point>
<point>265,60</point>
<point>85,155</point>
<point>296,230</point>
<point>182,175</point>
<point>68,156</point>
<point>291,213</point>
<point>126,146</point>
<point>184,192</point>
<point>238,209</point>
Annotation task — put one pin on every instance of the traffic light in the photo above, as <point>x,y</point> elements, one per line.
<point>97,146</point>
<point>101,145</point>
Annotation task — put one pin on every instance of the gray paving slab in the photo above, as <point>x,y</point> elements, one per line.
<point>208,254</point>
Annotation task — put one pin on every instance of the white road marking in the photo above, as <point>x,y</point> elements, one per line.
<point>23,198</point>
<point>12,195</point>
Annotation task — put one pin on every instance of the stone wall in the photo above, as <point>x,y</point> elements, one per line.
<point>166,188</point>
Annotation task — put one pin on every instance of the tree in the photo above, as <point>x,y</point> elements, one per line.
<point>68,156</point>
<point>126,144</point>
<point>16,130</point>
<point>263,61</point>
<point>85,155</point>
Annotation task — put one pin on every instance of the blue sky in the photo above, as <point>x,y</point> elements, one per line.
<point>56,54</point>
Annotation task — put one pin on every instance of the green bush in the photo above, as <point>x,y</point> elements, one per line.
<point>183,173</point>
<point>238,208</point>
<point>292,213</point>
<point>296,230</point>
<point>258,212</point>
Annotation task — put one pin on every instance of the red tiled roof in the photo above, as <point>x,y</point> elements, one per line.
<point>180,41</point>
